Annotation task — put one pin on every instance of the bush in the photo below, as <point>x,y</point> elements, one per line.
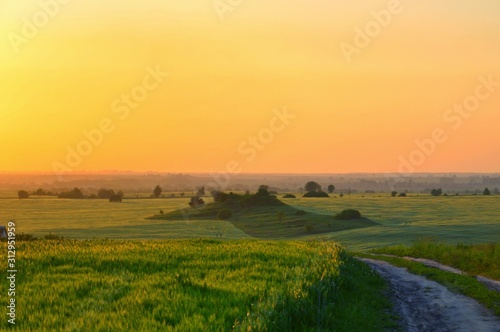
<point>300,213</point>
<point>25,237</point>
<point>54,237</point>
<point>402,195</point>
<point>289,196</point>
<point>348,215</point>
<point>224,214</point>
<point>316,194</point>
<point>394,193</point>
<point>436,192</point>
<point>115,198</point>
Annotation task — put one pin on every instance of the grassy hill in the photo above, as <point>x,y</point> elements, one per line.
<point>262,215</point>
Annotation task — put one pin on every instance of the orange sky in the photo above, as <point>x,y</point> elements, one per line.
<point>86,67</point>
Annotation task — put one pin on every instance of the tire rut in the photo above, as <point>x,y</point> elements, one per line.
<point>426,305</point>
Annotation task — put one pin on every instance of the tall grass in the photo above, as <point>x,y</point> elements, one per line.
<point>193,285</point>
<point>477,259</point>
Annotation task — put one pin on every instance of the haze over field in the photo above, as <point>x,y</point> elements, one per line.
<point>256,86</point>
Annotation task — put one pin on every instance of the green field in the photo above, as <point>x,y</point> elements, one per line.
<point>194,285</point>
<point>402,220</point>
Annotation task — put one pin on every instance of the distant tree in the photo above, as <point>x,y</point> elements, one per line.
<point>200,192</point>
<point>115,198</point>
<point>105,193</point>
<point>263,187</point>
<point>157,191</point>
<point>341,195</point>
<point>331,188</point>
<point>40,192</point>
<point>486,192</point>
<point>182,194</point>
<point>76,193</point>
<point>23,194</point>
<point>120,193</point>
<point>402,195</point>
<point>436,192</point>
<point>312,186</point>
<point>394,193</point>
<point>196,201</point>
<point>263,190</point>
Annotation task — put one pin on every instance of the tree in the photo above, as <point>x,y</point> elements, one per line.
<point>312,186</point>
<point>105,193</point>
<point>394,193</point>
<point>331,188</point>
<point>486,192</point>
<point>436,192</point>
<point>40,192</point>
<point>157,191</point>
<point>76,193</point>
<point>182,194</point>
<point>201,192</point>
<point>23,194</point>
<point>115,198</point>
<point>263,190</point>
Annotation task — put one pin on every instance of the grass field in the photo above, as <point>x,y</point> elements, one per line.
<point>194,285</point>
<point>479,259</point>
<point>403,220</point>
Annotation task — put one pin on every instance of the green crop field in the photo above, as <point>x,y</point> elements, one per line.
<point>194,285</point>
<point>401,220</point>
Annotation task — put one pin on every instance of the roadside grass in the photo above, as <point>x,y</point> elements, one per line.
<point>475,259</point>
<point>195,285</point>
<point>461,284</point>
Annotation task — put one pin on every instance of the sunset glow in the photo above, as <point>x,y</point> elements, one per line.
<point>262,86</point>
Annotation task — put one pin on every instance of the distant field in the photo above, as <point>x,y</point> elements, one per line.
<point>194,285</point>
<point>466,219</point>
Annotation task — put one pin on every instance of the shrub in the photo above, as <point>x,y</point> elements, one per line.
<point>436,192</point>
<point>289,196</point>
<point>316,194</point>
<point>348,214</point>
<point>300,212</point>
<point>25,237</point>
<point>394,193</point>
<point>402,195</point>
<point>115,198</point>
<point>224,214</point>
<point>54,237</point>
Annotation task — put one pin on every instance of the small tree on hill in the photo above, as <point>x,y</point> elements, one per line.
<point>312,186</point>
<point>157,191</point>
<point>486,192</point>
<point>331,188</point>
<point>23,194</point>
<point>394,193</point>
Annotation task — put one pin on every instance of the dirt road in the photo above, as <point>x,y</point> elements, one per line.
<point>425,305</point>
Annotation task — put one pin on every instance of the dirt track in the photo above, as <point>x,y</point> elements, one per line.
<point>425,305</point>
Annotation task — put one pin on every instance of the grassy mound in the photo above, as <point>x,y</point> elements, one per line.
<point>263,215</point>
